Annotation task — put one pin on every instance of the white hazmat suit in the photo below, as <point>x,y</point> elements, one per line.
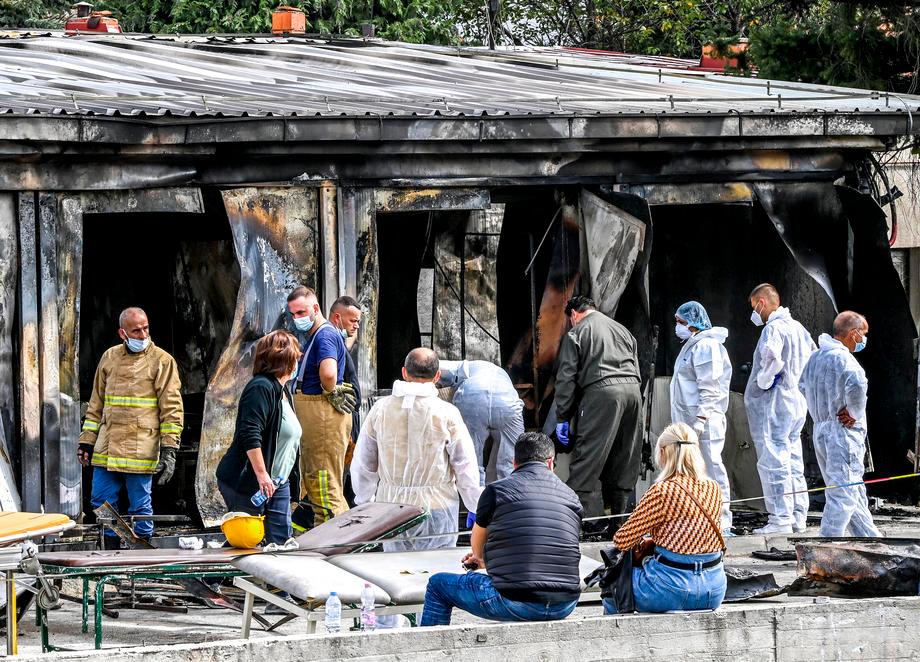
<point>832,380</point>
<point>700,388</point>
<point>776,415</point>
<point>415,449</point>
<point>490,407</point>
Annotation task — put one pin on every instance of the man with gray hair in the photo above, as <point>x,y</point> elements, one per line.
<point>414,448</point>
<point>835,388</point>
<point>133,423</point>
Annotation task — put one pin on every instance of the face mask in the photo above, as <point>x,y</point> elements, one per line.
<point>756,318</point>
<point>860,346</point>
<point>344,334</point>
<point>682,332</point>
<point>303,324</point>
<point>135,346</point>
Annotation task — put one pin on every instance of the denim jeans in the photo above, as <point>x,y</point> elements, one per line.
<point>277,510</point>
<point>659,588</point>
<point>474,592</point>
<point>107,486</point>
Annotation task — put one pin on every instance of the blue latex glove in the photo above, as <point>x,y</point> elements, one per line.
<point>562,433</point>
<point>470,520</point>
<point>776,380</point>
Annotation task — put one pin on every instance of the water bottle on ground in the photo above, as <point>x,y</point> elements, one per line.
<point>333,613</point>
<point>258,498</point>
<point>368,614</point>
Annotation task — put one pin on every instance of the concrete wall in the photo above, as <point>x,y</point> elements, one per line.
<point>803,631</point>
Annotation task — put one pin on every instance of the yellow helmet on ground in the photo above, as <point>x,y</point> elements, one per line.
<point>243,531</point>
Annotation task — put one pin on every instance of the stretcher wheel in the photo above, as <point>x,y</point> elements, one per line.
<point>49,598</point>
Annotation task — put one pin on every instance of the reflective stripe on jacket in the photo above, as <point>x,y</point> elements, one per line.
<point>135,406</point>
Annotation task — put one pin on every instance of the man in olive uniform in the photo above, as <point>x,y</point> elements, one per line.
<point>599,403</point>
<point>133,423</point>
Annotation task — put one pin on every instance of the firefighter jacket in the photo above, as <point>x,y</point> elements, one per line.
<point>135,407</point>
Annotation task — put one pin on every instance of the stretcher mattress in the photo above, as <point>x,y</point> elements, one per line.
<point>16,526</point>
<point>142,557</point>
<point>369,521</point>
<point>404,575</point>
<point>307,577</point>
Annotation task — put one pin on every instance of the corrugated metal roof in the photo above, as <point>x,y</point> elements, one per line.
<point>207,76</point>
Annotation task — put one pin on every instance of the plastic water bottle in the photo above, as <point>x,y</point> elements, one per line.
<point>258,498</point>
<point>333,613</point>
<point>368,614</point>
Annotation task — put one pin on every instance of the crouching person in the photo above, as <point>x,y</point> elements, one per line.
<point>677,518</point>
<point>526,538</point>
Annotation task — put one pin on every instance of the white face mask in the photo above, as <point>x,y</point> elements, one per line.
<point>136,346</point>
<point>303,324</point>
<point>756,318</point>
<point>682,332</point>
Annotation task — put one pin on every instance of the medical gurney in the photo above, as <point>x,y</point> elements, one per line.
<point>17,552</point>
<point>353,531</point>
<point>399,580</point>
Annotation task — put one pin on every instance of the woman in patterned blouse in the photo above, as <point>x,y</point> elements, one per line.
<point>679,515</point>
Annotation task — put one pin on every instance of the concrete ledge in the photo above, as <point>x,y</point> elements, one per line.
<point>822,630</point>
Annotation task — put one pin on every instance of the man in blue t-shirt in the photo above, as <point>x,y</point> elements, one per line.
<point>323,403</point>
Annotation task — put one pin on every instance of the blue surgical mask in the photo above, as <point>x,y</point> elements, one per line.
<point>303,324</point>
<point>682,332</point>
<point>861,345</point>
<point>344,334</point>
<point>136,346</point>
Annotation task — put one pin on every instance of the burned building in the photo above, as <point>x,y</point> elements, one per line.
<point>461,195</point>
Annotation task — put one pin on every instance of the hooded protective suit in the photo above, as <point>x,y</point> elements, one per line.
<point>776,414</point>
<point>699,390</point>
<point>490,407</point>
<point>414,448</point>
<point>831,381</point>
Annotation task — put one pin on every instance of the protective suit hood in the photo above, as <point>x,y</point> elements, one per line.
<point>781,313</point>
<point>717,333</point>
<point>826,341</point>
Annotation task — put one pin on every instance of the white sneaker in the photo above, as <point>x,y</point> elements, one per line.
<point>773,528</point>
<point>798,528</point>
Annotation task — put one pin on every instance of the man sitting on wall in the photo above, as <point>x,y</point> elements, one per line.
<point>526,535</point>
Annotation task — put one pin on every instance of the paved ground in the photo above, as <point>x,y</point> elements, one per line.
<point>140,628</point>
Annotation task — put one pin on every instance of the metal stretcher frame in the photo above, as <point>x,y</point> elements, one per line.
<point>103,575</point>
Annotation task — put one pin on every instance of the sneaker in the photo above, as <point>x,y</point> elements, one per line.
<point>798,528</point>
<point>727,533</point>
<point>773,528</point>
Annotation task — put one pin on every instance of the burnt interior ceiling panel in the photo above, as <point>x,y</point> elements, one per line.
<point>889,357</point>
<point>614,239</point>
<point>465,319</point>
<point>275,239</point>
<point>186,278</point>
<point>9,269</point>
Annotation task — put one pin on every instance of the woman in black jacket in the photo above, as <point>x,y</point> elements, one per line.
<point>265,452</point>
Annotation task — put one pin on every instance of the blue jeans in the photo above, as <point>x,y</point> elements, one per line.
<point>277,510</point>
<point>107,486</point>
<point>474,592</point>
<point>659,588</point>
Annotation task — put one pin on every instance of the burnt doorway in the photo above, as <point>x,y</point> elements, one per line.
<point>182,270</point>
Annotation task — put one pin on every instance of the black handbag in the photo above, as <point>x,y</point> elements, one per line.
<point>615,579</point>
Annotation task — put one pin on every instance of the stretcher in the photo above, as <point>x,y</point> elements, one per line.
<point>355,530</point>
<point>399,581</point>
<point>17,552</point>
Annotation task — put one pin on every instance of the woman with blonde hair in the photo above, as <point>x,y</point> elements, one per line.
<point>679,517</point>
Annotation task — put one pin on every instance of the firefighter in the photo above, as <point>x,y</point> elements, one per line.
<point>133,423</point>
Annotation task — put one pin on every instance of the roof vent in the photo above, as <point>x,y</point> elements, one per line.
<point>87,20</point>
<point>289,20</point>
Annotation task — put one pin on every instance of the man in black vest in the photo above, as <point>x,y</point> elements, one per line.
<point>526,536</point>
